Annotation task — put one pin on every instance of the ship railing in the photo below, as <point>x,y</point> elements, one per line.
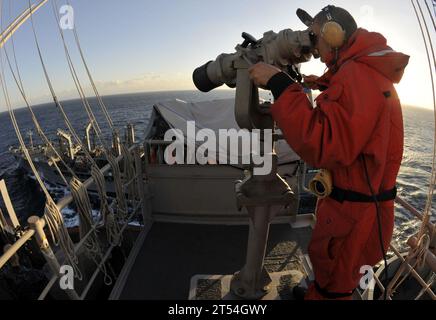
<point>406,267</point>
<point>37,224</point>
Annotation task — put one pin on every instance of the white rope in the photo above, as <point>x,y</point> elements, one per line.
<point>113,233</point>
<point>91,80</point>
<point>424,232</point>
<point>13,49</point>
<point>54,218</point>
<point>129,172</point>
<point>122,213</point>
<point>92,244</point>
<point>60,236</point>
<point>430,283</point>
<point>122,207</point>
<point>127,161</point>
<point>418,255</point>
<point>424,237</point>
<point>79,88</point>
<point>60,107</point>
<point>59,171</point>
<point>18,81</point>
<point>52,215</point>
<point>38,128</point>
<point>83,204</point>
<point>52,91</point>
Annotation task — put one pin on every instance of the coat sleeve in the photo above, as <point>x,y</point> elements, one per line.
<point>335,132</point>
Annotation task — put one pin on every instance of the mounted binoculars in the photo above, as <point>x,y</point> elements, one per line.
<point>284,49</point>
<point>262,196</point>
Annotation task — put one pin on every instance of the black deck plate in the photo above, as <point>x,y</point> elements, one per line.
<point>173,253</point>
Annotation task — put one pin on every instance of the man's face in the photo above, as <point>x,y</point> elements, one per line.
<point>321,47</point>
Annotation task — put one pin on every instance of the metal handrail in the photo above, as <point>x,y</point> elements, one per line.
<point>98,268</point>
<point>61,205</point>
<point>415,274</point>
<point>37,229</point>
<point>410,269</point>
<point>106,256</point>
<point>88,183</point>
<point>67,200</point>
<point>19,21</point>
<point>415,212</point>
<point>15,247</point>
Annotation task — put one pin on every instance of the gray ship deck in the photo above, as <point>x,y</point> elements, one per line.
<point>171,254</point>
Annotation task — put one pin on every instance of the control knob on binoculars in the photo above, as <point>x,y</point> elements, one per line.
<point>248,39</point>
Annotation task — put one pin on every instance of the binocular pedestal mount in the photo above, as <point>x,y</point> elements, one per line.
<point>264,197</point>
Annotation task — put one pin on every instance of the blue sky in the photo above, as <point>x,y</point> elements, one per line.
<point>142,45</point>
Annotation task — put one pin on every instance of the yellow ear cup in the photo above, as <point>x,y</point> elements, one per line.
<point>322,184</point>
<point>333,34</point>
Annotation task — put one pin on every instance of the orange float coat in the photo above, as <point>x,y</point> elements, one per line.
<point>359,114</point>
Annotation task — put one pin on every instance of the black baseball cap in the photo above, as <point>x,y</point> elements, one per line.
<point>305,17</point>
<point>340,15</point>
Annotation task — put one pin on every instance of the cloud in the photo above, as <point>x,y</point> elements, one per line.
<point>147,82</point>
<point>142,83</point>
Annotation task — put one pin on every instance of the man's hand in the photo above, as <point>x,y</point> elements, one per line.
<point>310,82</point>
<point>261,73</point>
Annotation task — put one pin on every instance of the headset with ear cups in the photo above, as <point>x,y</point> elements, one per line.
<point>332,32</point>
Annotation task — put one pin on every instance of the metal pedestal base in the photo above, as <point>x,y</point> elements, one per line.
<point>263,196</point>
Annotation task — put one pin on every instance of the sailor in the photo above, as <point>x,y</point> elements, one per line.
<point>355,132</point>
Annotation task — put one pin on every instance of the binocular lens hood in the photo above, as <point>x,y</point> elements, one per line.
<point>201,79</point>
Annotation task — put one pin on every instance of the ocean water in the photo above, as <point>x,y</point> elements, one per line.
<point>413,180</point>
<point>136,109</point>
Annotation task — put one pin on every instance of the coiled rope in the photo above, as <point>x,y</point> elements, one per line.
<point>120,195</point>
<point>60,235</point>
<point>52,215</point>
<point>84,208</point>
<point>93,120</point>
<point>53,93</point>
<point>77,188</point>
<point>129,172</point>
<point>113,233</point>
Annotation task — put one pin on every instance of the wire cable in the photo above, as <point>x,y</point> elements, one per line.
<point>18,81</point>
<point>431,189</point>
<point>53,93</point>
<point>91,79</point>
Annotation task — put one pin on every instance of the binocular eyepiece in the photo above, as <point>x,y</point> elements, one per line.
<point>281,49</point>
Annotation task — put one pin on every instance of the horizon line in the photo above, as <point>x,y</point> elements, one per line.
<point>159,91</point>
